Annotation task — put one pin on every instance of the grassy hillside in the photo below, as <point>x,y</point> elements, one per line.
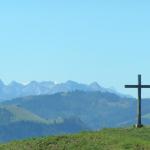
<point>107,139</point>
<point>19,123</point>
<point>12,113</point>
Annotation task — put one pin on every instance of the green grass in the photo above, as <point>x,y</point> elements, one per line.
<point>21,114</point>
<point>107,139</point>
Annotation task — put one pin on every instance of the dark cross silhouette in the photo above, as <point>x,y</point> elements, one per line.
<point>139,87</point>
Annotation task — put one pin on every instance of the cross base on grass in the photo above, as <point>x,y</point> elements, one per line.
<point>138,126</point>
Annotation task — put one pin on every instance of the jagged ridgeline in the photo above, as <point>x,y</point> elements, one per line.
<point>15,89</point>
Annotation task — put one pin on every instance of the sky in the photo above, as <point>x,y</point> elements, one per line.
<point>83,40</point>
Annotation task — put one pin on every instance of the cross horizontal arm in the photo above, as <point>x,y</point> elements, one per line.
<point>145,86</point>
<point>131,86</point>
<point>137,86</point>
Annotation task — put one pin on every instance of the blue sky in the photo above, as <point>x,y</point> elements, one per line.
<point>84,40</point>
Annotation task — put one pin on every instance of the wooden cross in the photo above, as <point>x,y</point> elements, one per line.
<point>139,87</point>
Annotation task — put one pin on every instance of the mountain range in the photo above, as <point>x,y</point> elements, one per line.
<point>46,108</point>
<point>15,89</point>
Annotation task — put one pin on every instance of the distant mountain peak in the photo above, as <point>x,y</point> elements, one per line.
<point>47,82</point>
<point>96,87</point>
<point>71,82</point>
<point>33,82</point>
<point>1,83</point>
<point>14,83</point>
<point>95,84</point>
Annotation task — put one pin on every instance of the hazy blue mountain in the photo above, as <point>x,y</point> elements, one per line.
<point>18,123</point>
<point>36,88</point>
<point>96,87</point>
<point>95,109</point>
<point>15,89</point>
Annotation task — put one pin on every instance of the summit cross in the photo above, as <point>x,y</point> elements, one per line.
<point>139,87</point>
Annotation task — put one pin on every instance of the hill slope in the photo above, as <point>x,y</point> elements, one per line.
<point>95,109</point>
<point>18,123</point>
<point>12,113</point>
<point>108,139</point>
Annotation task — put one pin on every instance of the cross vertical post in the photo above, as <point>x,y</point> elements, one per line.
<point>139,124</point>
